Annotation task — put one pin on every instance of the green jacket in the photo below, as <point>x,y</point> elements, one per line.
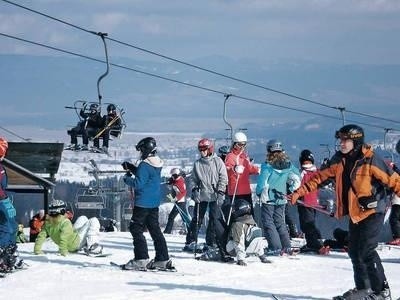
<point>60,230</point>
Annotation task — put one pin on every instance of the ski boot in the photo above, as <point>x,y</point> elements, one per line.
<point>241,263</point>
<point>162,265</point>
<point>355,294</point>
<point>136,265</point>
<point>94,249</point>
<point>382,295</point>
<point>264,259</point>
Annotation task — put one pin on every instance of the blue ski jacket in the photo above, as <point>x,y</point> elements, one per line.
<point>146,183</point>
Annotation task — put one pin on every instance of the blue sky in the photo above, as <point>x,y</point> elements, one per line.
<point>344,31</point>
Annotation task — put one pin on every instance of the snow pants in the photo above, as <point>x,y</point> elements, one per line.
<point>172,215</point>
<point>394,221</point>
<point>274,227</point>
<point>367,265</point>
<point>8,225</point>
<point>147,218</point>
<point>212,231</point>
<point>88,231</point>
<point>307,225</point>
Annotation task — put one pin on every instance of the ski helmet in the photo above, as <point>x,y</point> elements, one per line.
<point>239,137</point>
<point>351,132</point>
<point>398,147</point>
<point>57,207</point>
<point>306,155</point>
<point>111,108</point>
<point>223,150</point>
<point>274,145</point>
<point>206,144</point>
<point>3,147</point>
<point>147,147</point>
<point>241,208</point>
<point>93,108</point>
<point>175,172</point>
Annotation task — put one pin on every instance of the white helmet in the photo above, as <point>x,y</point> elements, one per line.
<point>239,137</point>
<point>175,171</point>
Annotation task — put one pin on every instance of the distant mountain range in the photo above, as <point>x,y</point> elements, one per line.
<point>35,90</point>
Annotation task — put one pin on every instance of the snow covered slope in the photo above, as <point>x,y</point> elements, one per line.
<point>76,276</point>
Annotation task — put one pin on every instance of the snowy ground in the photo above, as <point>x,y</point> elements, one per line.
<point>76,276</point>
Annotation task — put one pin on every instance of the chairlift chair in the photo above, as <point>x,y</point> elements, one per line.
<point>127,210</point>
<point>90,198</point>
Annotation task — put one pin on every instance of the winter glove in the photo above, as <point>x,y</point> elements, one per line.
<point>64,252</point>
<point>367,202</point>
<point>171,198</point>
<point>293,197</point>
<point>239,169</point>
<point>220,198</point>
<point>9,208</point>
<point>129,167</point>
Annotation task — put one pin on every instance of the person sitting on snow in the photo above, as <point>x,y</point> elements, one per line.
<point>245,238</point>
<point>84,235</point>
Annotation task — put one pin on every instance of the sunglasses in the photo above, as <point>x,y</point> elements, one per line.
<point>241,144</point>
<point>203,148</point>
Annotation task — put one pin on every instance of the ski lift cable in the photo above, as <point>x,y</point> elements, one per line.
<point>16,135</point>
<point>183,83</point>
<point>199,67</point>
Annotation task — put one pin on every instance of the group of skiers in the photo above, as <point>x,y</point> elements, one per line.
<point>95,126</point>
<point>222,187</point>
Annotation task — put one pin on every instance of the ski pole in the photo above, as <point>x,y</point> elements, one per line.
<point>233,199</point>
<point>317,208</point>
<point>197,228</point>
<point>107,127</point>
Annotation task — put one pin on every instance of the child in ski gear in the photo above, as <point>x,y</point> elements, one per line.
<point>245,238</point>
<point>178,196</point>
<point>111,123</point>
<point>209,179</point>
<point>35,225</point>
<point>239,169</point>
<point>88,127</point>
<point>21,237</point>
<point>146,185</point>
<point>277,175</point>
<point>394,218</point>
<point>8,226</point>
<point>306,212</point>
<point>360,177</point>
<point>83,235</point>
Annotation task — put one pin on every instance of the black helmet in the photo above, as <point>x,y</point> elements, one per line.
<point>306,155</point>
<point>111,107</point>
<point>147,147</point>
<point>398,147</point>
<point>241,207</point>
<point>93,108</point>
<point>57,207</point>
<point>223,150</point>
<point>274,145</point>
<point>352,132</point>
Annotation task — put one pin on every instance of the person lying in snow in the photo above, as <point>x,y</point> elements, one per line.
<point>84,235</point>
